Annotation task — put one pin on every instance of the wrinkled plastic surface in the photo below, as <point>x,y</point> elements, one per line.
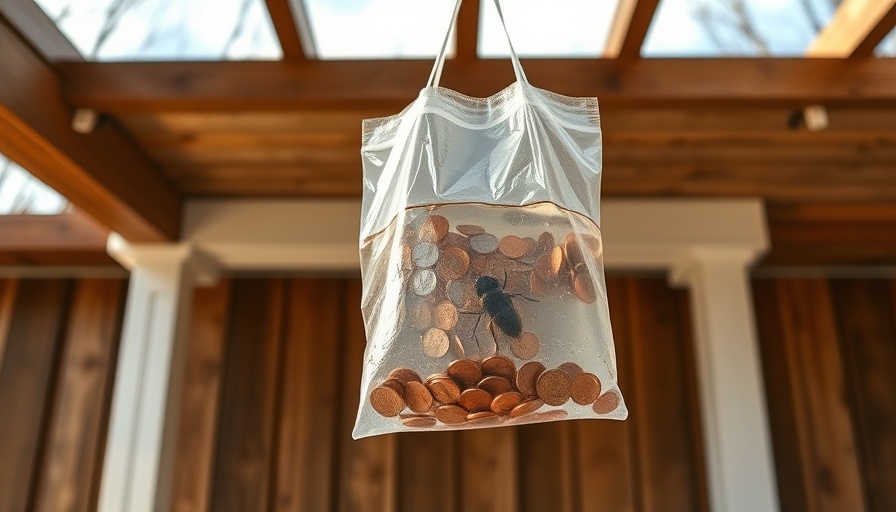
<point>522,163</point>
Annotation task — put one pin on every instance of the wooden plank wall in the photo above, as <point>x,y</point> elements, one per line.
<point>272,393</point>
<point>829,356</point>
<point>58,346</point>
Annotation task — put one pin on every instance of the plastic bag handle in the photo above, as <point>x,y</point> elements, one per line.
<point>436,75</point>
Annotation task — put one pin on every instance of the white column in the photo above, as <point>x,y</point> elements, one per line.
<point>137,474</point>
<point>740,465</point>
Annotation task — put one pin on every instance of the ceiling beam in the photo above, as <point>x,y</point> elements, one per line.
<point>42,33</point>
<point>70,238</point>
<point>103,172</point>
<point>287,30</point>
<point>467,34</point>
<point>341,85</point>
<point>629,28</point>
<point>856,29</point>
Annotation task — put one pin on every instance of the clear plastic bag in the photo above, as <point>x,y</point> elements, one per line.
<point>484,298</point>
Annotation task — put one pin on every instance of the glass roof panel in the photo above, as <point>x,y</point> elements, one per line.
<point>758,28</point>
<point>378,29</point>
<point>560,28</point>
<point>887,47</point>
<point>166,30</point>
<point>22,193</point>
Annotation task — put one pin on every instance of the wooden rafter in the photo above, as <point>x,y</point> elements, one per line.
<point>287,31</point>
<point>856,29</point>
<point>629,28</point>
<point>104,172</point>
<point>144,87</point>
<point>70,238</point>
<point>43,34</point>
<point>468,31</point>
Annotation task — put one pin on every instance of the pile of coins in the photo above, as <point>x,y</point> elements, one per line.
<point>490,391</point>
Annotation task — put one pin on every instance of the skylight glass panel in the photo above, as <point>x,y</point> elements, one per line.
<point>748,28</point>
<point>559,28</point>
<point>22,193</point>
<point>378,29</point>
<point>108,30</point>
<point>887,47</point>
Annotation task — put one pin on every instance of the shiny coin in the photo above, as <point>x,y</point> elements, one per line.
<point>419,421</point>
<point>584,389</point>
<point>527,377</point>
<point>395,385</point>
<point>485,243</point>
<point>417,397</point>
<point>549,265</point>
<point>500,366</point>
<point>435,376</point>
<point>470,229</point>
<point>495,385</point>
<point>423,282</point>
<point>405,375</point>
<point>512,246</point>
<point>526,407</point>
<point>421,316</point>
<point>444,390</point>
<point>544,243</point>
<point>386,401</point>
<point>482,417</point>
<point>462,294</point>
<point>435,342</point>
<point>572,251</point>
<point>607,403</point>
<point>553,387</point>
<point>583,286</point>
<point>454,240</point>
<point>505,402</point>
<point>486,266</point>
<point>526,346</point>
<point>465,371</point>
<point>571,369</point>
<point>475,400</point>
<point>451,414</point>
<point>425,254</point>
<point>433,228</point>
<point>457,348</point>
<point>445,316</point>
<point>453,264</point>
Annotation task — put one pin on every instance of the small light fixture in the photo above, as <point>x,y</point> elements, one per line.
<point>813,117</point>
<point>84,120</point>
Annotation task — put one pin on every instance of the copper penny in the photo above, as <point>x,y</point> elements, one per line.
<point>512,246</point>
<point>417,396</point>
<point>485,266</point>
<point>495,385</point>
<point>425,254</point>
<point>553,387</point>
<point>593,245</point>
<point>572,251</point>
<point>445,316</point>
<point>420,315</point>
<point>462,293</point>
<point>423,282</point>
<point>584,389</point>
<point>444,390</point>
<point>583,286</point>
<point>526,407</point>
<point>386,401</point>
<point>482,417</point>
<point>433,228</point>
<point>549,265</point>
<point>451,414</point>
<point>526,346</point>
<point>421,421</point>
<point>500,366</point>
<point>527,377</point>
<point>531,244</point>
<point>517,282</point>
<point>454,240</point>
<point>544,243</point>
<point>457,347</point>
<point>571,369</point>
<point>435,376</point>
<point>470,229</point>
<point>485,243</point>
<point>538,285</point>
<point>505,402</point>
<point>453,264</point>
<point>405,375</point>
<point>435,342</point>
<point>607,403</point>
<point>475,400</point>
<point>465,371</point>
<point>395,385</point>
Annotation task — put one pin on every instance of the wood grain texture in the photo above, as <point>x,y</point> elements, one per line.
<point>855,30</point>
<point>69,479</point>
<point>427,463</point>
<point>27,379</point>
<point>201,398</point>
<point>367,467</point>
<point>542,446</point>
<point>285,26</point>
<point>629,28</point>
<point>868,343</point>
<point>246,440</point>
<point>7,302</point>
<point>309,398</point>
<point>488,470</point>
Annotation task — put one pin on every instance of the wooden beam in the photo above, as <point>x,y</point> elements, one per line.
<point>629,28</point>
<point>43,34</point>
<point>467,33</point>
<point>287,31</point>
<point>856,29</point>
<point>103,172</point>
<point>70,238</point>
<point>341,85</point>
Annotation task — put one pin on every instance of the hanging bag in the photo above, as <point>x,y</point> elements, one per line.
<point>484,298</point>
